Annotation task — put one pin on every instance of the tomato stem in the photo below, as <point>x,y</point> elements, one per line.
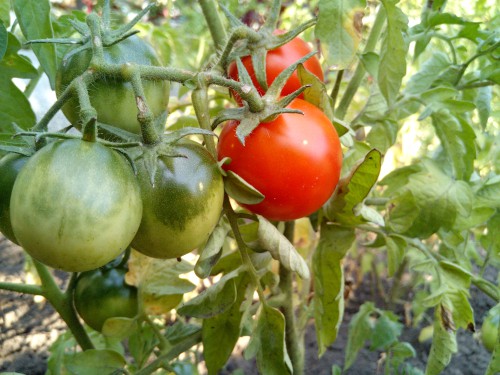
<point>214,22</point>
<point>144,115</point>
<point>359,73</point>
<point>294,341</point>
<point>200,105</point>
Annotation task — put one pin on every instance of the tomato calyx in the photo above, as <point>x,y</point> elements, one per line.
<point>273,104</point>
<point>150,153</point>
<point>257,43</point>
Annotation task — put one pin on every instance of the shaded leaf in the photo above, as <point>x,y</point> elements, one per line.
<point>212,251</point>
<point>329,282</point>
<point>396,247</point>
<point>280,248</point>
<point>240,190</point>
<point>386,331</point>
<point>268,343</point>
<point>359,331</point>
<point>93,361</point>
<point>4,13</point>
<point>35,23</point>
<point>14,107</point>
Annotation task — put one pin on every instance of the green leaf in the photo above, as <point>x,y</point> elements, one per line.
<point>457,302</point>
<point>424,199</point>
<point>4,37</point>
<point>221,332</point>
<point>396,247</point>
<point>212,251</point>
<point>119,328</point>
<point>5,13</point>
<point>437,18</point>
<point>427,74</point>
<point>240,190</point>
<point>329,282</point>
<point>14,107</point>
<point>318,95</point>
<point>457,138</point>
<point>215,300</point>
<point>352,190</point>
<point>489,194</point>
<point>371,62</point>
<point>93,361</point>
<point>339,30</point>
<point>386,332</point>
<point>444,342</point>
<point>393,52</point>
<point>15,65</point>
<point>360,330</point>
<point>483,104</point>
<point>455,276</point>
<point>383,135</point>
<point>268,343</point>
<point>281,248</point>
<point>35,23</point>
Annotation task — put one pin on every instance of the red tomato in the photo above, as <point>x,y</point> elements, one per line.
<point>278,60</point>
<point>294,160</point>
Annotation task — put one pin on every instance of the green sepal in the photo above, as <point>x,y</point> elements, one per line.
<point>259,64</point>
<point>237,188</point>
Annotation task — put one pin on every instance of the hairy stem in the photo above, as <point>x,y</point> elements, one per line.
<point>214,22</point>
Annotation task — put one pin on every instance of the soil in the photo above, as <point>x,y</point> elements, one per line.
<point>28,328</point>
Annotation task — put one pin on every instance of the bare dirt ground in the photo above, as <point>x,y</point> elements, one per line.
<point>28,328</point>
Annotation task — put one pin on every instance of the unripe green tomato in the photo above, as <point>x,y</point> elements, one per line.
<point>489,331</point>
<point>10,165</point>
<point>75,205</point>
<point>114,100</point>
<point>183,206</point>
<point>102,294</point>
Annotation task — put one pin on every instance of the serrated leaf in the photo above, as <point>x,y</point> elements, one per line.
<point>212,251</point>
<point>35,23</point>
<point>352,190</point>
<point>427,74</point>
<point>386,332</point>
<point>93,361</point>
<point>457,138</point>
<point>396,247</point>
<point>392,67</point>
<point>14,107</point>
<point>444,344</point>
<point>317,94</point>
<point>215,300</point>
<point>158,281</point>
<point>240,190</point>
<point>359,331</point>
<point>329,282</point>
<point>281,248</point>
<point>483,104</point>
<point>382,135</point>
<point>457,302</point>
<point>339,30</point>
<point>268,343</point>
<point>221,332</point>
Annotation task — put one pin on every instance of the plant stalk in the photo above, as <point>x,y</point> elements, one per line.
<point>359,73</point>
<point>214,22</point>
<point>294,341</point>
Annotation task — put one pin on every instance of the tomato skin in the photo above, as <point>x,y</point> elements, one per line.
<point>294,160</point>
<point>10,165</point>
<point>114,100</point>
<point>278,60</point>
<point>75,205</point>
<point>183,206</point>
<point>102,294</point>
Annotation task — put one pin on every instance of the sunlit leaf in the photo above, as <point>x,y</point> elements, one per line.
<point>339,30</point>
<point>93,361</point>
<point>427,74</point>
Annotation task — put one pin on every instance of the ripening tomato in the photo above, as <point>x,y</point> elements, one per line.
<point>278,60</point>
<point>75,205</point>
<point>294,160</point>
<point>183,205</point>
<point>114,100</point>
<point>10,165</point>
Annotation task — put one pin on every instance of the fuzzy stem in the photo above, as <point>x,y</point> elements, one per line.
<point>336,88</point>
<point>359,73</point>
<point>63,304</point>
<point>294,343</point>
<point>214,22</point>
<point>201,108</point>
<point>144,115</point>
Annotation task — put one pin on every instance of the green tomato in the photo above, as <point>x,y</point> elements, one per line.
<point>102,294</point>
<point>183,206</point>
<point>114,100</point>
<point>489,331</point>
<point>10,165</point>
<point>75,205</point>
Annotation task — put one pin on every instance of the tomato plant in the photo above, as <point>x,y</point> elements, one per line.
<point>489,331</point>
<point>85,214</point>
<point>114,99</point>
<point>293,160</point>
<point>102,294</point>
<point>182,204</point>
<point>277,60</point>
<point>10,165</point>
